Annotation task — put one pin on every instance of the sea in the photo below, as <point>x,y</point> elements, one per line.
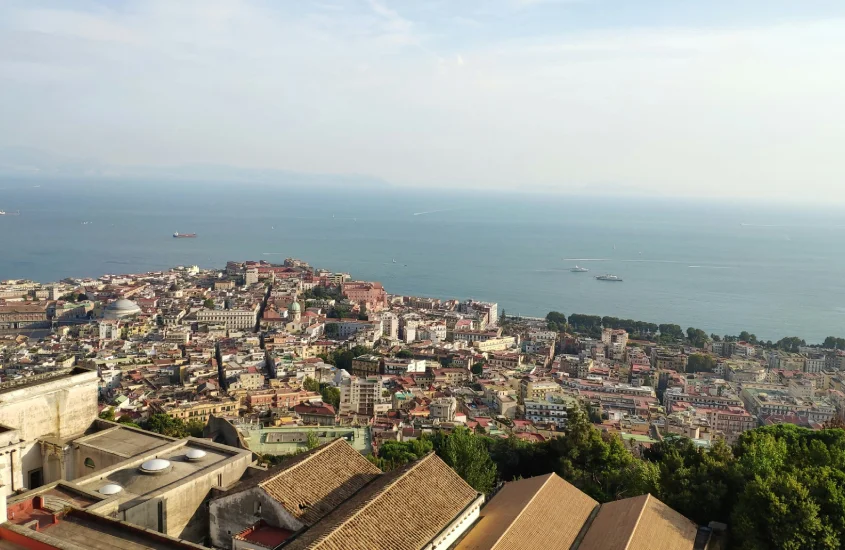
<point>720,265</point>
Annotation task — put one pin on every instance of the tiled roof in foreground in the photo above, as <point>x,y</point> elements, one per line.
<point>401,510</point>
<point>639,523</point>
<point>543,512</point>
<point>313,484</point>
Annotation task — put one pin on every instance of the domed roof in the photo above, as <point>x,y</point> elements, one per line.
<point>122,304</point>
<point>195,454</point>
<point>155,466</point>
<point>121,308</point>
<point>110,489</point>
<point>295,307</point>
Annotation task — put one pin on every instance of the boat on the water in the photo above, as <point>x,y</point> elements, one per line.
<point>609,277</point>
<point>578,269</point>
<point>5,213</point>
<point>178,235</point>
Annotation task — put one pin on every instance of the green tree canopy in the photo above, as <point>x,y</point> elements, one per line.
<point>556,321</point>
<point>697,337</point>
<point>467,454</point>
<point>671,332</point>
<point>832,342</point>
<point>393,454</point>
<point>700,362</point>
<point>167,425</point>
<point>330,395</point>
<point>309,384</point>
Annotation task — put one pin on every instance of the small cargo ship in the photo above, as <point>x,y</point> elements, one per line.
<point>609,277</point>
<point>178,235</point>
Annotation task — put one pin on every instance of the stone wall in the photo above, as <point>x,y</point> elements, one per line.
<point>231,514</point>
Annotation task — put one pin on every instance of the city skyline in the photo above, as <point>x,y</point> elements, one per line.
<point>562,96</point>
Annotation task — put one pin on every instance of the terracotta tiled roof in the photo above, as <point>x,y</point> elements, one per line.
<point>540,512</point>
<point>639,523</point>
<point>311,485</point>
<point>401,510</point>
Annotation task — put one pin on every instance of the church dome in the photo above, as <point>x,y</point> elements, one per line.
<point>295,307</point>
<point>121,308</point>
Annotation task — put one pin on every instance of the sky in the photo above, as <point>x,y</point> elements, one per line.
<point>733,98</point>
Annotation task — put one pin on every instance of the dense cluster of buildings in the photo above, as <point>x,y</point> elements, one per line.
<point>264,359</point>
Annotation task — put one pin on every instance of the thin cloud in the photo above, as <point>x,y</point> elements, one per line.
<point>402,92</point>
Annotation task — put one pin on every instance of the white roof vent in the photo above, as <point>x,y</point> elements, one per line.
<point>195,455</point>
<point>156,466</point>
<point>110,489</point>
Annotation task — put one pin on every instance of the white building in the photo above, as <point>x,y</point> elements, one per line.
<point>546,412</point>
<point>360,395</point>
<point>241,318</point>
<point>443,409</point>
<point>390,325</point>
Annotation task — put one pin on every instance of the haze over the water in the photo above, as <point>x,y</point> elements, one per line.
<point>716,98</point>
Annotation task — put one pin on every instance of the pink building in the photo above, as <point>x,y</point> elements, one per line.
<point>371,294</point>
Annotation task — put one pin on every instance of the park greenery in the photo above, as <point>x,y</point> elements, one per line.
<point>777,487</point>
<point>592,325</point>
<point>329,393</point>
<point>165,424</point>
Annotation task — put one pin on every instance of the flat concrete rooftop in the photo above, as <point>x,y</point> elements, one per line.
<point>124,441</point>
<point>136,483</point>
<point>88,532</point>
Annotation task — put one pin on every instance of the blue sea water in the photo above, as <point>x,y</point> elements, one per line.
<point>721,266</point>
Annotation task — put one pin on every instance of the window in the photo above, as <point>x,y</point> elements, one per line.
<point>89,463</point>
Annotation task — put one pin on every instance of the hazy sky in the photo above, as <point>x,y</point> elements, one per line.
<point>711,97</point>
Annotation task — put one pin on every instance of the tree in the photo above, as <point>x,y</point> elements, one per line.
<point>594,414</point>
<point>312,441</point>
<point>467,454</point>
<point>330,395</point>
<point>697,483</point>
<point>127,420</point>
<point>700,362</point>
<point>405,354</point>
<point>362,314</point>
<point>208,303</point>
<point>790,343</point>
<point>556,321</point>
<point>309,384</point>
<point>793,491</point>
<point>194,427</point>
<point>477,368</point>
<point>585,323</point>
<point>745,336</point>
<point>107,414</point>
<point>670,332</point>
<point>393,454</point>
<point>696,337</point>
<point>832,342</point>
<point>167,425</point>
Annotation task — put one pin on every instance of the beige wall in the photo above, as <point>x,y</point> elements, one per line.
<point>60,408</point>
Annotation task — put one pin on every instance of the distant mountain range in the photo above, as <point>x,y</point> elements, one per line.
<point>35,163</point>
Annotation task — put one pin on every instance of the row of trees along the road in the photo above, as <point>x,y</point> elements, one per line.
<point>779,487</point>
<point>592,325</point>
